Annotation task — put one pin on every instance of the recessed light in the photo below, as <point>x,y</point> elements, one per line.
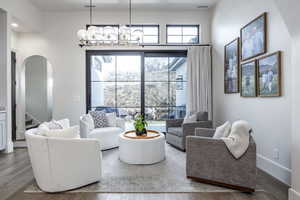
<point>15,25</point>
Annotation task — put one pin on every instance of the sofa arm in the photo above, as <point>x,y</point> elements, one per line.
<point>205,132</point>
<point>121,123</point>
<point>174,123</point>
<point>209,159</point>
<point>74,162</point>
<point>189,128</point>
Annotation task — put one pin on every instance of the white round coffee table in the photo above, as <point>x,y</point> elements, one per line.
<point>141,150</point>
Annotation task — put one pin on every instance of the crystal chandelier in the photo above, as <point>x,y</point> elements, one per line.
<point>124,35</point>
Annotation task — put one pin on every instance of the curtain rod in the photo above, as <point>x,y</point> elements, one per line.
<point>173,45</point>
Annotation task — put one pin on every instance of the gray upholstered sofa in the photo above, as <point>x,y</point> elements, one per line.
<point>209,161</point>
<point>177,130</point>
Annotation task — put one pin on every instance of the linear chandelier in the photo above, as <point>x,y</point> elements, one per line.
<point>124,35</point>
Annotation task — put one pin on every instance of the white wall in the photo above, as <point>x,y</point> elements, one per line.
<point>290,11</point>
<point>59,44</point>
<point>24,13</point>
<point>3,58</point>
<point>5,73</point>
<point>270,117</point>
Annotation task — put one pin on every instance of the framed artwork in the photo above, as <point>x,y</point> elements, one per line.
<point>254,38</point>
<point>269,75</point>
<point>231,67</point>
<point>248,79</point>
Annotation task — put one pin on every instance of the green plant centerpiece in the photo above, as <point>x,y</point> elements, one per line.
<point>140,125</point>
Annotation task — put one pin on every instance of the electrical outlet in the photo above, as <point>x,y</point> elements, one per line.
<point>276,154</point>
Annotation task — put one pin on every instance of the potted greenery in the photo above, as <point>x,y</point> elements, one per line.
<point>140,125</point>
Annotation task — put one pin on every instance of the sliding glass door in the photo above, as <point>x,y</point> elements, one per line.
<point>127,83</point>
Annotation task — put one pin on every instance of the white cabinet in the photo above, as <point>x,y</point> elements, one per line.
<point>2,131</point>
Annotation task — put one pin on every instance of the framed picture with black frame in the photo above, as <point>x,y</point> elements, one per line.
<point>231,67</point>
<point>254,38</point>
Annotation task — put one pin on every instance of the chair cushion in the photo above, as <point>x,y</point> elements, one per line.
<point>100,119</point>
<point>190,119</point>
<point>202,116</point>
<point>111,119</point>
<point>104,131</point>
<point>72,132</point>
<point>177,131</point>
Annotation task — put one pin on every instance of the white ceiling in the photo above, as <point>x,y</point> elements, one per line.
<point>76,5</point>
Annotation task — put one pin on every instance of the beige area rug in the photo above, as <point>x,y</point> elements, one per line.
<point>168,176</point>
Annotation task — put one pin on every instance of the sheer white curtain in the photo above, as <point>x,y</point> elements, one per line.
<point>199,83</point>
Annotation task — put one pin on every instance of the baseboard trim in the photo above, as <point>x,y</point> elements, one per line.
<point>293,194</point>
<point>273,168</point>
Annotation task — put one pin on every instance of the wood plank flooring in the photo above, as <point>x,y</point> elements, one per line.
<point>16,174</point>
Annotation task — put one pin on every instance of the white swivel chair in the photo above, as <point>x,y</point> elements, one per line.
<point>61,164</point>
<point>108,136</point>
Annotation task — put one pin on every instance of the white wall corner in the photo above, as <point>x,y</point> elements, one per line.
<point>276,170</point>
<point>293,194</point>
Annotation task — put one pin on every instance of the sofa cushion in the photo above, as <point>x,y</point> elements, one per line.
<point>103,131</point>
<point>177,131</point>
<point>100,119</point>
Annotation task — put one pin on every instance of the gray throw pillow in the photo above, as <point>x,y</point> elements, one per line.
<point>99,118</point>
<point>202,116</point>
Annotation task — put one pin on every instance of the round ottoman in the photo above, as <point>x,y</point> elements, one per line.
<point>141,151</point>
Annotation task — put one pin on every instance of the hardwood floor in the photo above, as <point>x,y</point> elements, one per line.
<point>16,174</point>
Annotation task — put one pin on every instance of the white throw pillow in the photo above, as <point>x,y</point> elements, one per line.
<point>54,125</point>
<point>89,120</point>
<point>111,119</point>
<point>65,123</point>
<point>72,132</point>
<point>42,128</point>
<point>222,131</point>
<point>190,119</point>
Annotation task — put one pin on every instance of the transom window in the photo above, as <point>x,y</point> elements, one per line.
<point>150,33</point>
<point>183,34</point>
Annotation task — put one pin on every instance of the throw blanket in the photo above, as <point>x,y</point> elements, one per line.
<point>238,140</point>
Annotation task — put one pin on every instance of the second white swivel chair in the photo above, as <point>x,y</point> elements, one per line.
<point>108,136</point>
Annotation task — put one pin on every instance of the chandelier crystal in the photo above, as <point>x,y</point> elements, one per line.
<point>124,35</point>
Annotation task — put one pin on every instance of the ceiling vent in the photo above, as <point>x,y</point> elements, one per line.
<point>202,7</point>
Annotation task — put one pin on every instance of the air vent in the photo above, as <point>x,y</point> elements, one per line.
<point>202,7</point>
<point>90,6</point>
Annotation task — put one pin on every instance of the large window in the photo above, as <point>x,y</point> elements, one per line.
<point>152,83</point>
<point>183,34</point>
<point>115,84</point>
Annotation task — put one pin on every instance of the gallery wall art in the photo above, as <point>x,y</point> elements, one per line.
<point>269,75</point>
<point>254,38</point>
<point>248,79</point>
<point>231,67</point>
